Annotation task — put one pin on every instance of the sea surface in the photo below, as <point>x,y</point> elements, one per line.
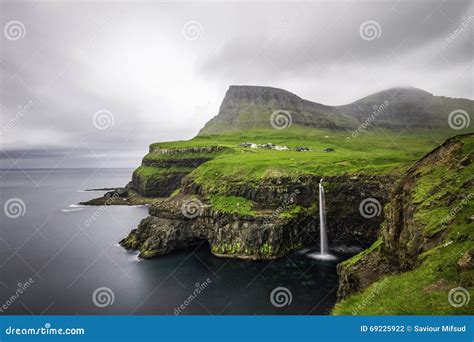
<point>60,258</point>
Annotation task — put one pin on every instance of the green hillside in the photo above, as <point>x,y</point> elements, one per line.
<point>374,152</point>
<point>251,107</point>
<point>439,255</point>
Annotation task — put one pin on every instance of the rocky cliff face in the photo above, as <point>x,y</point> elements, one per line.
<point>403,235</point>
<point>344,195</point>
<point>284,217</point>
<point>418,218</point>
<point>258,96</point>
<point>163,169</point>
<point>172,226</point>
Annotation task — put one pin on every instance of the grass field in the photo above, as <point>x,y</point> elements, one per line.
<point>374,152</point>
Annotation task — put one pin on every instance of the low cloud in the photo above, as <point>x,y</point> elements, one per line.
<point>134,60</point>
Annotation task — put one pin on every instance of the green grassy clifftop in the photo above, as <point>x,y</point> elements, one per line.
<point>426,246</point>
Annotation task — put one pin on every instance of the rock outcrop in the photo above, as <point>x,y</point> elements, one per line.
<point>407,233</point>
<point>163,169</point>
<point>285,217</point>
<point>172,226</point>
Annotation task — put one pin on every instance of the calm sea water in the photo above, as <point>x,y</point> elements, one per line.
<point>71,255</point>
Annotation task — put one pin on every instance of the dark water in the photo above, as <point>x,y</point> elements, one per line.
<point>70,252</point>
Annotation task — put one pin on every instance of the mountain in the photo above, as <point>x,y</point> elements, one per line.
<point>246,107</point>
<point>406,107</point>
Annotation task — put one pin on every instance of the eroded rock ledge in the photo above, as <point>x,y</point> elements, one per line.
<point>284,216</point>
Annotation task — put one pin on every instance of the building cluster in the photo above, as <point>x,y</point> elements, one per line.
<point>270,146</point>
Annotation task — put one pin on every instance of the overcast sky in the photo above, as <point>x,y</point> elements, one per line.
<point>94,83</point>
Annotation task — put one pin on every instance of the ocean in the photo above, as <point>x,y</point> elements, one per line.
<point>59,258</point>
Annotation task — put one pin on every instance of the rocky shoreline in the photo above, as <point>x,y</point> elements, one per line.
<point>283,213</point>
<point>264,235</point>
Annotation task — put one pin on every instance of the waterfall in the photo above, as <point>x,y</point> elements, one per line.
<point>323,249</point>
<point>322,220</point>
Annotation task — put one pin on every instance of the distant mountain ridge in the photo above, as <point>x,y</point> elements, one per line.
<point>247,107</point>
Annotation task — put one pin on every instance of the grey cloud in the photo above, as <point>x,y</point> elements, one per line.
<point>301,38</point>
<point>131,59</point>
<point>309,43</point>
